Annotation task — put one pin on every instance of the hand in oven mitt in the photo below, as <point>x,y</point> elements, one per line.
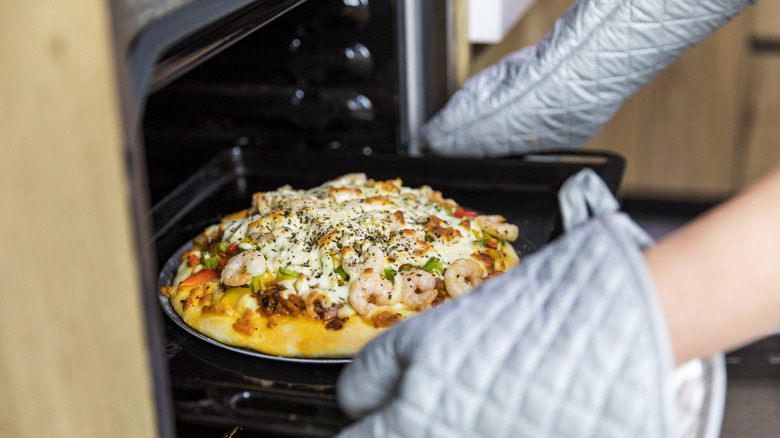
<point>570,343</point>
<point>558,93</point>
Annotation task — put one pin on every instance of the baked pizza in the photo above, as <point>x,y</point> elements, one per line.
<point>317,273</point>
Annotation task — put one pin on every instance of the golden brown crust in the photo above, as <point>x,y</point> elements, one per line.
<point>287,336</point>
<point>283,312</point>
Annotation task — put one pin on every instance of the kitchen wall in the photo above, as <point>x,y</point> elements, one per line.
<point>703,128</point>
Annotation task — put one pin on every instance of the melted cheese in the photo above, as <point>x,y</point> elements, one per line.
<point>305,230</point>
<point>309,240</point>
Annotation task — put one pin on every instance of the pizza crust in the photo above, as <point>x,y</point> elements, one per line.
<point>277,315</point>
<point>285,336</point>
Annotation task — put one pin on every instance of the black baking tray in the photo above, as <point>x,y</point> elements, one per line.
<point>215,387</point>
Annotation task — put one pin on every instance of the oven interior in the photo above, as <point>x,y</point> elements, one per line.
<point>321,90</point>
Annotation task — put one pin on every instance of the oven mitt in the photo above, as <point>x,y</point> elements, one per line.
<point>570,343</point>
<point>700,397</point>
<point>560,92</point>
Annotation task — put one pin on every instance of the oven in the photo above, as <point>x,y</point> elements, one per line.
<point>230,98</point>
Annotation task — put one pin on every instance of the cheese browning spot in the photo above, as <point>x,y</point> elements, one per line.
<point>436,227</point>
<point>246,324</point>
<point>386,318</point>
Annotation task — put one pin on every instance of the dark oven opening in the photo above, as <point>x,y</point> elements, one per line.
<point>322,77</point>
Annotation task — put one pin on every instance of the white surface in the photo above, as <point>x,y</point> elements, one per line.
<point>490,20</point>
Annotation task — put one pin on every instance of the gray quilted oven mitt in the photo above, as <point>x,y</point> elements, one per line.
<point>559,93</point>
<point>570,343</point>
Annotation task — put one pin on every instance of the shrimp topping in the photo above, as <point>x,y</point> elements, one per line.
<point>462,276</point>
<point>496,227</point>
<point>240,269</point>
<point>418,288</point>
<point>370,292</point>
<point>374,259</point>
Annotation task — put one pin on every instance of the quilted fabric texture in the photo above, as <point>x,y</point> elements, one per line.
<point>571,343</point>
<point>700,397</point>
<point>559,93</point>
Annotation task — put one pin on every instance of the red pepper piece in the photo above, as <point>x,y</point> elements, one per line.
<point>492,243</point>
<point>198,278</point>
<point>193,260</point>
<point>222,263</point>
<point>232,248</point>
<point>461,212</point>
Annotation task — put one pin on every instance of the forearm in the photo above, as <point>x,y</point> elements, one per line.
<point>718,278</point>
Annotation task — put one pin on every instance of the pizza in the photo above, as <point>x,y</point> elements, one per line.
<point>317,273</point>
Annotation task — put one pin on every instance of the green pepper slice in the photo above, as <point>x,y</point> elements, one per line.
<point>210,262</point>
<point>433,265</point>
<point>342,273</point>
<point>288,273</point>
<point>254,284</point>
<point>390,275</point>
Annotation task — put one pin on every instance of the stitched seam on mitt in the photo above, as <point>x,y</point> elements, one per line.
<point>652,309</point>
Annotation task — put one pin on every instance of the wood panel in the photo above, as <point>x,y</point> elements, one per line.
<point>461,47</point>
<point>766,20</point>
<point>537,21</point>
<point>74,361</point>
<point>761,116</point>
<point>761,144</point>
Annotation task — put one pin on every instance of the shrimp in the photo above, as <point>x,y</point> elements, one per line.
<point>374,259</point>
<point>418,288</point>
<point>240,269</point>
<point>369,292</point>
<point>496,227</point>
<point>462,276</point>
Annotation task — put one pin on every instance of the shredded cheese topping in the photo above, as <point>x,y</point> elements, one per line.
<point>311,239</point>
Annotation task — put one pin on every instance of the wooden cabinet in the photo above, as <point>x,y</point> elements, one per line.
<point>704,127</point>
<point>74,360</point>
<point>761,119</point>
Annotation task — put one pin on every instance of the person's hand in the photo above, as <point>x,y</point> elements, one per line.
<point>559,93</point>
<point>569,343</point>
